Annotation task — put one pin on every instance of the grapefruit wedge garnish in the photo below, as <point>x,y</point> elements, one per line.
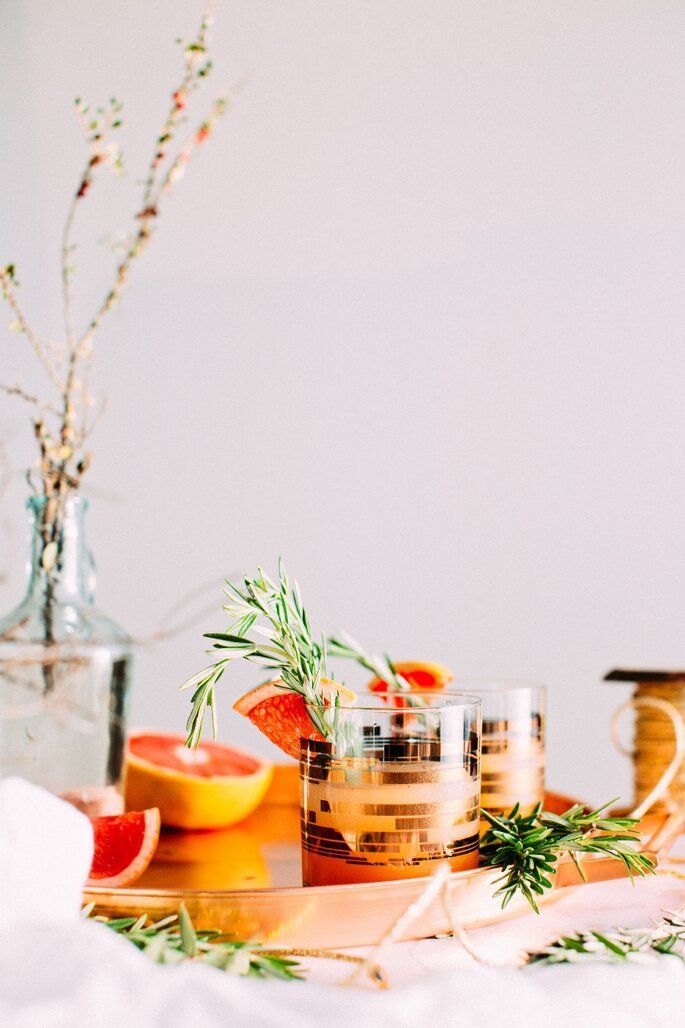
<point>211,786</point>
<point>422,675</point>
<point>282,716</point>
<point>124,845</point>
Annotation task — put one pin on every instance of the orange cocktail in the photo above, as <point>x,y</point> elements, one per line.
<point>513,760</point>
<point>393,791</point>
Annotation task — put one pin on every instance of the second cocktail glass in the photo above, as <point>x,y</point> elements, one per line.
<point>394,791</point>
<point>513,745</point>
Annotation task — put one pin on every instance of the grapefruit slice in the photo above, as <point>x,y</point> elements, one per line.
<point>282,716</point>
<point>421,675</point>
<point>213,786</point>
<point>124,845</point>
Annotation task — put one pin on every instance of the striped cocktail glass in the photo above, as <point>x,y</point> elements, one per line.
<point>392,789</point>
<point>513,749</point>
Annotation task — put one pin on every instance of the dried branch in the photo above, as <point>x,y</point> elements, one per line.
<point>61,430</point>
<point>8,282</point>
<point>191,73</point>
<point>203,132</point>
<point>96,127</point>
<point>67,271</point>
<point>195,69</point>
<point>21,394</point>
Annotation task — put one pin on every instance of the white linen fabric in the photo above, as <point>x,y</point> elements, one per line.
<point>58,970</point>
<point>46,848</point>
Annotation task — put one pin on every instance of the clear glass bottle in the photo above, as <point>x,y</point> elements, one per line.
<point>65,670</point>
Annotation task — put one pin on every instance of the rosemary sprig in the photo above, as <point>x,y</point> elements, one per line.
<point>346,648</point>
<point>273,612</point>
<point>174,939</point>
<point>617,946</point>
<point>527,848</point>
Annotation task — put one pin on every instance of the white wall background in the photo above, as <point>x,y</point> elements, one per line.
<point>413,320</point>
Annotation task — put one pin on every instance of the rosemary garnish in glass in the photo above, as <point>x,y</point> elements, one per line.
<point>273,613</point>
<point>346,648</point>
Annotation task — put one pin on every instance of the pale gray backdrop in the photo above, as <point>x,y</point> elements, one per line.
<point>413,320</point>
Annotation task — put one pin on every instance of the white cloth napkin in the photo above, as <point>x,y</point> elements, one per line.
<point>46,847</point>
<point>58,970</point>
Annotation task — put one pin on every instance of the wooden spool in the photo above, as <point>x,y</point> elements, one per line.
<point>658,750</point>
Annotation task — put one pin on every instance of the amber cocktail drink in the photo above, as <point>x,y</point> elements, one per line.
<point>393,792</point>
<point>513,744</point>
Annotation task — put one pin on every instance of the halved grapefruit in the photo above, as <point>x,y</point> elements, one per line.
<point>282,714</point>
<point>213,786</point>
<point>422,675</point>
<point>124,845</point>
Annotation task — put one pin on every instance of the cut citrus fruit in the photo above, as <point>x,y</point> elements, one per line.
<point>213,786</point>
<point>421,675</point>
<point>282,714</point>
<point>123,847</point>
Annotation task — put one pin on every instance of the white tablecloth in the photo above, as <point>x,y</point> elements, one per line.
<point>72,973</point>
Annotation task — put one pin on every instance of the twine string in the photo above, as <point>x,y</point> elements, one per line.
<point>434,886</point>
<point>651,752</point>
<point>375,972</point>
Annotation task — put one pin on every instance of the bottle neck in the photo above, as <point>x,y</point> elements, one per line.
<point>60,564</point>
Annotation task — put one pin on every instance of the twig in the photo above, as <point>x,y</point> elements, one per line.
<point>22,394</point>
<point>66,273</point>
<point>178,97</point>
<point>25,328</point>
<point>149,209</point>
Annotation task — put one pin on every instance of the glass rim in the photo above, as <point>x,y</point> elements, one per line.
<point>468,700</point>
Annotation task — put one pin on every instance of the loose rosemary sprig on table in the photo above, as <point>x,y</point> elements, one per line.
<point>526,848</point>
<point>272,611</point>
<point>174,939</point>
<point>616,946</point>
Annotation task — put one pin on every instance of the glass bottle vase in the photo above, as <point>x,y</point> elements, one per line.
<point>65,670</point>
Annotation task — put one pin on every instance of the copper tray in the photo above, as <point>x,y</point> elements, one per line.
<point>246,882</point>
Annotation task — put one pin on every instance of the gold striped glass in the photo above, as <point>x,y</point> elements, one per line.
<point>513,750</point>
<point>393,792</point>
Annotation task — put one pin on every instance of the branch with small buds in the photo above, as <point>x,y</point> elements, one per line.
<point>62,426</point>
<point>20,325</point>
<point>61,465</point>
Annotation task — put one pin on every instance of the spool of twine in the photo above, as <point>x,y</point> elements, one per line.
<point>658,751</point>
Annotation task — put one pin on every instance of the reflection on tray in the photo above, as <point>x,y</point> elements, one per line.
<point>260,853</point>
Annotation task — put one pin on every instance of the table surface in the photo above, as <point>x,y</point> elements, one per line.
<point>602,906</point>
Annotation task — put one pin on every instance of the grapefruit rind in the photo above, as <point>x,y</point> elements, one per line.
<point>281,714</point>
<point>192,801</point>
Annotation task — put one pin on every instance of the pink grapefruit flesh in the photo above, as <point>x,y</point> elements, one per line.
<point>124,845</point>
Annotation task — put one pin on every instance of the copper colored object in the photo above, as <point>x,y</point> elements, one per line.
<point>246,881</point>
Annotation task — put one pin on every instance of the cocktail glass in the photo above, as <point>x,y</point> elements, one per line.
<point>393,791</point>
<point>513,749</point>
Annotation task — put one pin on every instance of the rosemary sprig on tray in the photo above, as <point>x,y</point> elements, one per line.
<point>527,848</point>
<point>616,946</point>
<point>174,939</point>
<point>273,612</point>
